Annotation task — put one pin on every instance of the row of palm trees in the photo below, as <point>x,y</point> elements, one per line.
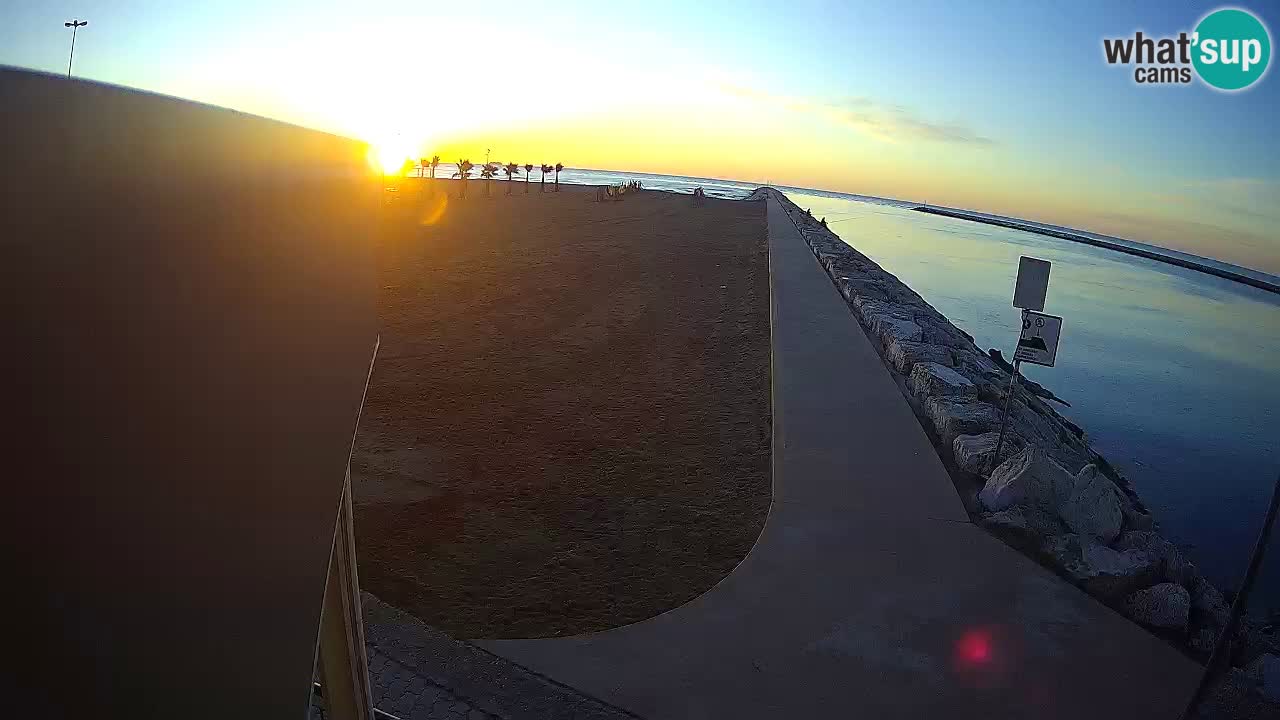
<point>489,171</point>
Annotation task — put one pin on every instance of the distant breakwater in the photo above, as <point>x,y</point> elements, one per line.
<point>1098,242</point>
<point>1049,494</point>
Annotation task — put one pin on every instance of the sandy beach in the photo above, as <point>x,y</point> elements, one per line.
<point>568,424</point>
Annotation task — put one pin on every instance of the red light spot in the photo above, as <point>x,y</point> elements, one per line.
<point>974,647</point>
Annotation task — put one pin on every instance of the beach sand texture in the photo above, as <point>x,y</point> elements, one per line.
<point>568,426</point>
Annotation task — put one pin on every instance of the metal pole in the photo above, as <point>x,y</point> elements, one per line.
<point>1004,418</point>
<point>1008,398</point>
<point>1221,655</point>
<point>74,28</point>
<point>75,25</point>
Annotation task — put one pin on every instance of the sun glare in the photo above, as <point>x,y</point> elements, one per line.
<point>388,154</point>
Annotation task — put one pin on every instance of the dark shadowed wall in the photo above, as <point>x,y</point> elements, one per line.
<point>189,325</point>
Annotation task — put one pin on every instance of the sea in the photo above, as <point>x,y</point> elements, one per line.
<point>1174,373</point>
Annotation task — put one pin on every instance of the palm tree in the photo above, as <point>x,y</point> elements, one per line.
<point>487,172</point>
<point>435,162</point>
<point>422,167</point>
<point>559,167</point>
<point>510,169</point>
<point>528,170</point>
<point>464,172</point>
<point>542,181</point>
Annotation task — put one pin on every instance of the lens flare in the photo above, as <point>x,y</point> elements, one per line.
<point>974,648</point>
<point>433,207</point>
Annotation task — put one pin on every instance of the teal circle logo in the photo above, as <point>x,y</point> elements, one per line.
<point>1232,49</point>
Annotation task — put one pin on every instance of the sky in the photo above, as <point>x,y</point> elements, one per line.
<point>1007,107</point>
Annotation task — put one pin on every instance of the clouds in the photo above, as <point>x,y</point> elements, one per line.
<point>1246,200</point>
<point>895,123</point>
<point>885,122</point>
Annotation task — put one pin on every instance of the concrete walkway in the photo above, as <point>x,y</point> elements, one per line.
<point>869,594</point>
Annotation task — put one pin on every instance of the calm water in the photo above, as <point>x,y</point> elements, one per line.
<point>1175,374</point>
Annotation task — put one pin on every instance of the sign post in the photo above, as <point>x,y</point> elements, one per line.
<point>1038,339</point>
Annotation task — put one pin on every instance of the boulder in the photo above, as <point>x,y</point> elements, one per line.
<point>889,328</point>
<point>1173,566</point>
<point>1235,697</point>
<point>971,359</point>
<point>1041,427</point>
<point>1100,570</point>
<point>1167,605</point>
<point>1070,459</point>
<point>887,320</point>
<point>953,416</point>
<point>904,354</point>
<point>1028,478</point>
<point>937,329</point>
<point>1265,673</point>
<point>867,308</point>
<point>1093,510</point>
<point>1208,607</point>
<point>1135,519</point>
<point>1257,639</point>
<point>1025,528</point>
<point>973,453</point>
<point>929,378</point>
<point>852,288</point>
<point>828,258</point>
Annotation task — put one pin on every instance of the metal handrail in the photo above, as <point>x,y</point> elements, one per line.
<point>319,690</point>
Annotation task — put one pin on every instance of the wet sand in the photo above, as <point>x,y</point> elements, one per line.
<point>568,424</point>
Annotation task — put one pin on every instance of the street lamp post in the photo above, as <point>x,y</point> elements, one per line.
<point>74,25</point>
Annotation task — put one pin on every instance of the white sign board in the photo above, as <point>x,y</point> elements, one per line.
<point>1032,285</point>
<point>1038,342</point>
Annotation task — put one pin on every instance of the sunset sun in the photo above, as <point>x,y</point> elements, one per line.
<point>389,153</point>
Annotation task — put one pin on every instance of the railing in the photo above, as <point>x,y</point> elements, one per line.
<point>317,690</point>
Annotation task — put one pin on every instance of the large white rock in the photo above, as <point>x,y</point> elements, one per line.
<point>1028,478</point>
<point>953,416</point>
<point>931,378</point>
<point>1173,566</point>
<point>1093,509</point>
<point>1166,605</point>
<point>973,452</point>
<point>1024,528</point>
<point>1100,570</point>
